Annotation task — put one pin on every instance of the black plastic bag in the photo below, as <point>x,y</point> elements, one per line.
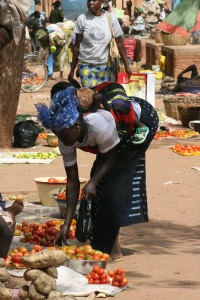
<point>84,225</point>
<point>25,134</point>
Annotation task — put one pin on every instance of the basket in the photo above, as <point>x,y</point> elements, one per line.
<point>174,39</point>
<point>188,113</point>
<point>157,36</point>
<point>171,105</point>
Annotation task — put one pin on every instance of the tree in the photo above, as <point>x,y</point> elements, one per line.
<point>11,64</point>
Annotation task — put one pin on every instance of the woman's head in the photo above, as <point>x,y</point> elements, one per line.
<point>138,10</point>
<point>94,6</point>
<point>60,86</point>
<point>62,112</point>
<point>56,4</point>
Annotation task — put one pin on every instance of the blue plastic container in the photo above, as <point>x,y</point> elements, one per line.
<point>3,203</point>
<point>71,9</point>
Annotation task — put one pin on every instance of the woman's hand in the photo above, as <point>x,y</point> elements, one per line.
<point>61,237</point>
<point>128,70</point>
<point>70,76</point>
<point>89,190</point>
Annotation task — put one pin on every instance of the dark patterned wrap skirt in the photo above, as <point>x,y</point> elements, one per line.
<point>121,195</point>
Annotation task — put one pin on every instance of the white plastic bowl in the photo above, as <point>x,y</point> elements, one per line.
<point>52,140</point>
<point>46,189</point>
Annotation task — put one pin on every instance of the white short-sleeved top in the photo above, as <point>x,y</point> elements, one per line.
<point>101,136</point>
<point>94,47</point>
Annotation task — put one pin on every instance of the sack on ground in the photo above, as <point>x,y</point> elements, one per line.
<point>25,134</point>
<point>84,225</point>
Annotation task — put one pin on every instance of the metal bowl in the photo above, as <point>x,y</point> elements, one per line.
<point>84,266</point>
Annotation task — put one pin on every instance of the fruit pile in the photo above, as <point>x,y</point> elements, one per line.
<point>42,234</point>
<point>182,133</point>
<point>85,252</point>
<point>100,276</point>
<point>14,257</point>
<point>55,180</point>
<point>42,136</point>
<point>189,150</point>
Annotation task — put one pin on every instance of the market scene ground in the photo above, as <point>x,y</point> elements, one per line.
<point>160,257</point>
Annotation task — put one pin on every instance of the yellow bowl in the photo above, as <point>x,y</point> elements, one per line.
<point>52,140</point>
<point>46,189</point>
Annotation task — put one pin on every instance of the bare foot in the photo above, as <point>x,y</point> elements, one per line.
<point>16,208</point>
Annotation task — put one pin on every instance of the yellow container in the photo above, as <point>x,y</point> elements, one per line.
<point>46,189</point>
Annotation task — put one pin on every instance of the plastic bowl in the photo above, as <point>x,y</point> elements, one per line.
<point>47,190</point>
<point>52,140</point>
<point>84,266</point>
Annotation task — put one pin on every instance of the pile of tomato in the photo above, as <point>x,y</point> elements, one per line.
<point>43,234</point>
<point>14,257</point>
<point>186,150</point>
<point>55,180</point>
<point>100,276</point>
<point>182,133</point>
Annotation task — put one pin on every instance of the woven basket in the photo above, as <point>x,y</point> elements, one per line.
<point>171,105</point>
<point>157,36</point>
<point>188,112</point>
<point>174,39</point>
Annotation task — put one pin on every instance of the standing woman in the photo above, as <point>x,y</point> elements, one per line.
<point>91,49</point>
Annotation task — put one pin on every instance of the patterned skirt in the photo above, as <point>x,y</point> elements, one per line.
<point>92,75</point>
<point>121,195</point>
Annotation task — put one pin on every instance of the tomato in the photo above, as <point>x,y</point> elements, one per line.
<point>96,257</point>
<point>65,180</point>
<point>90,281</point>
<point>61,196</point>
<point>95,268</point>
<point>53,180</point>
<point>88,276</point>
<point>106,256</point>
<point>16,258</point>
<point>111,273</point>
<point>97,281</point>
<point>100,271</point>
<point>24,224</point>
<point>53,231</point>
<point>103,281</point>
<point>104,275</point>
<point>115,283</point>
<point>50,223</point>
<point>117,278</point>
<point>119,271</point>
<point>17,265</point>
<point>71,234</point>
<point>95,276</point>
<point>37,247</point>
<point>35,226</point>
<point>123,282</point>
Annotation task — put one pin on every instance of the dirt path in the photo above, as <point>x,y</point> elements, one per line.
<point>161,258</point>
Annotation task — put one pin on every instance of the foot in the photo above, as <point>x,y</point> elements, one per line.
<point>140,135</point>
<point>116,253</point>
<point>16,208</point>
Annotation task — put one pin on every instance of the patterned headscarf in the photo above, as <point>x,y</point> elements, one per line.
<point>62,112</point>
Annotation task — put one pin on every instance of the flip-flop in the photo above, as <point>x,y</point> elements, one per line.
<point>140,135</point>
<point>115,260</point>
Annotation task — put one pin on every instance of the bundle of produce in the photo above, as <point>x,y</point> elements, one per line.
<point>182,133</point>
<point>187,150</point>
<point>130,47</point>
<point>5,293</point>
<point>42,274</point>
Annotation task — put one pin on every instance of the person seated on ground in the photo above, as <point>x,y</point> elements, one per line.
<point>90,101</point>
<point>138,27</point>
<point>7,225</point>
<point>181,80</point>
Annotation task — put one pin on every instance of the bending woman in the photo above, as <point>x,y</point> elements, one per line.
<point>119,163</point>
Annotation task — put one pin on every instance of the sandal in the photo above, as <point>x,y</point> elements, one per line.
<point>140,135</point>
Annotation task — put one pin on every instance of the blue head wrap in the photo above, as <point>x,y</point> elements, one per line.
<point>62,112</point>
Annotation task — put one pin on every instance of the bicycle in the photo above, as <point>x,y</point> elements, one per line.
<point>34,72</point>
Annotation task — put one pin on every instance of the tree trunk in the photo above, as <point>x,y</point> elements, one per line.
<point>11,62</point>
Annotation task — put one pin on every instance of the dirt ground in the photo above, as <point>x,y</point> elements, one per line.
<point>161,258</point>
